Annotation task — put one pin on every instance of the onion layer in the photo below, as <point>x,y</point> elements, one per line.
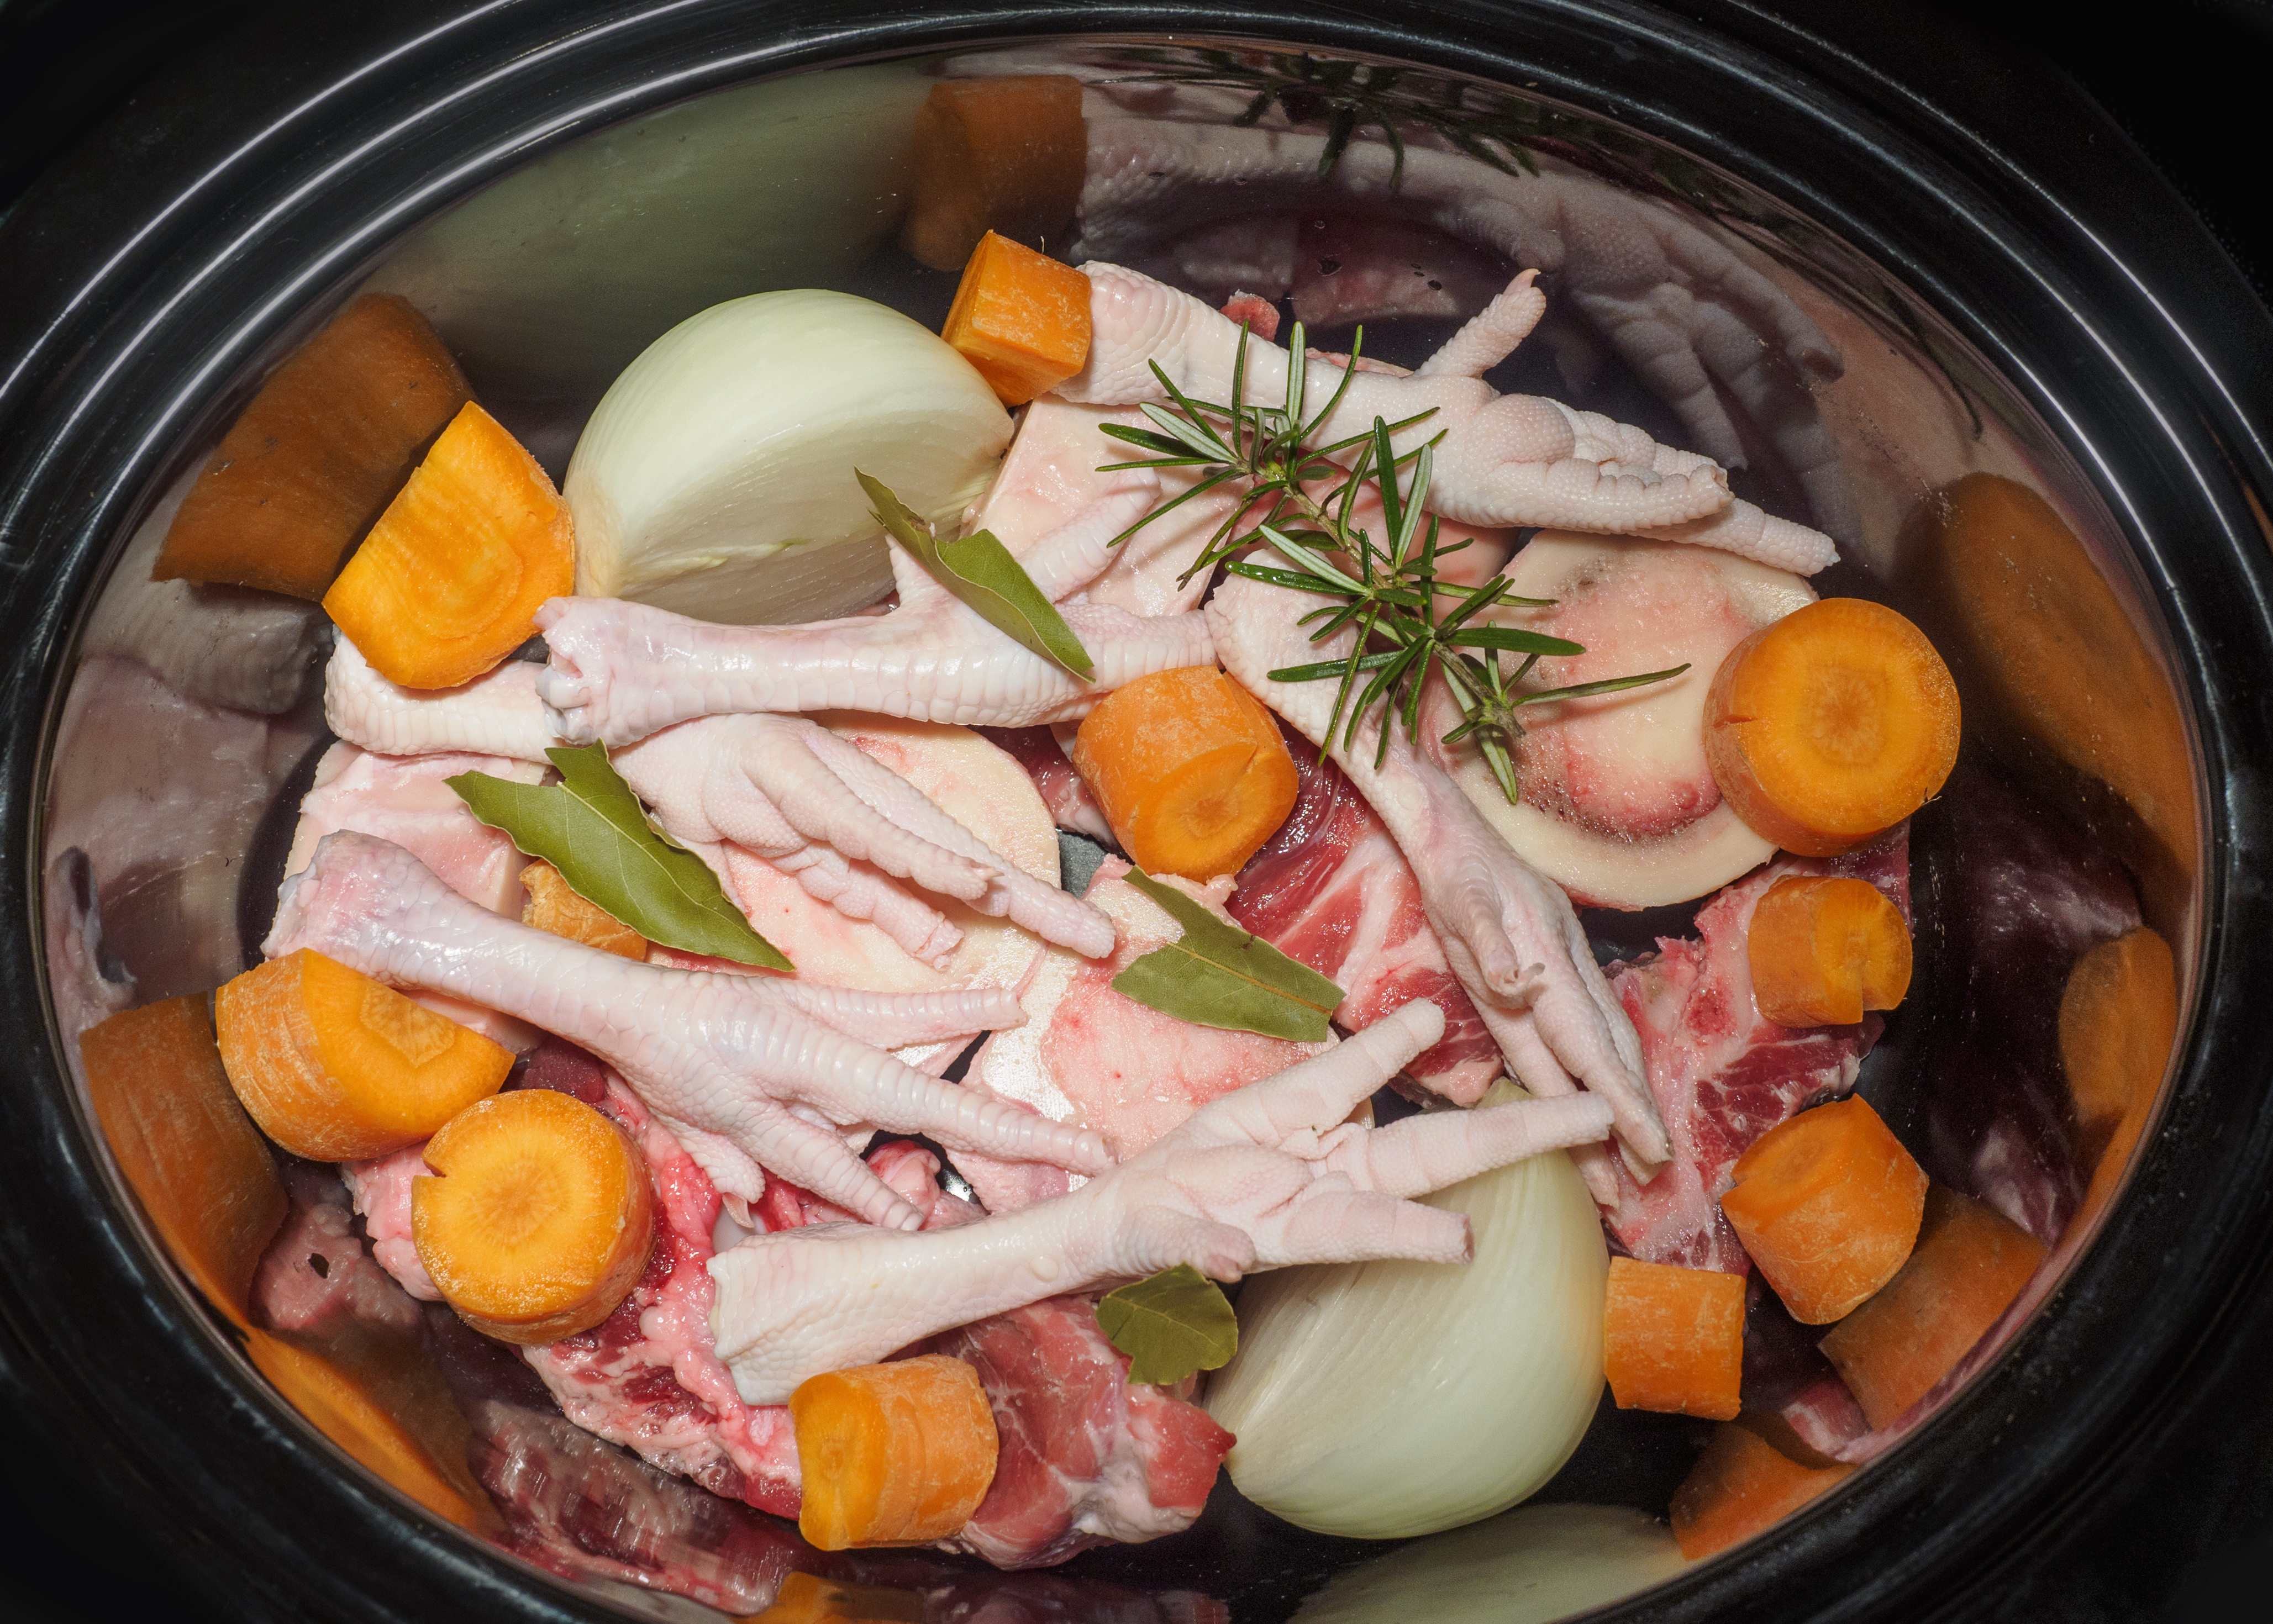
<point>1387,1399</point>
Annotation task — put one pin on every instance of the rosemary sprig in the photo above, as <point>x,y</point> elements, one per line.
<point>1298,500</point>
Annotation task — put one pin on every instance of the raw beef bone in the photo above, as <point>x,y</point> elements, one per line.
<point>2020,897</point>
<point>1091,1058</point>
<point>1332,889</point>
<point>1087,1457</point>
<point>1618,805</point>
<point>1721,1072</point>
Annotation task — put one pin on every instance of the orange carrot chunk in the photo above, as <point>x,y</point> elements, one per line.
<point>1189,769</point>
<point>184,1144</point>
<point>1830,725</point>
<point>1739,1487</point>
<point>449,580</point>
<point>1970,1263</point>
<point>2118,1016</point>
<point>1002,155</point>
<point>1827,1204</point>
<point>541,1219</point>
<point>344,1412</point>
<point>553,906</point>
<point>318,455</point>
<point>1673,1339</point>
<point>896,1453</point>
<point>336,1068</point>
<point>1020,317</point>
<point>1825,950</point>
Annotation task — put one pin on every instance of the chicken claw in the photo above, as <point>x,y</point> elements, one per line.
<point>749,1072</point>
<point>1266,1176</point>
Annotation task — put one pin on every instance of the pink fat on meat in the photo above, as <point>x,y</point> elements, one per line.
<point>1723,1073</point>
<point>1089,1055</point>
<point>1332,889</point>
<point>1086,1457</point>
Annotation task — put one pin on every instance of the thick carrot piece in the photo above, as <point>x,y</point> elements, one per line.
<point>1740,1486</point>
<point>553,906</point>
<point>1673,1339</point>
<point>1823,950</point>
<point>1827,1205</point>
<point>1189,769</point>
<point>351,1416</point>
<point>1020,317</point>
<point>2118,1016</point>
<point>318,455</point>
<point>541,1219</point>
<point>1969,1264</point>
<point>994,154</point>
<point>449,580</point>
<point>2040,632</point>
<point>155,1078</point>
<point>894,1454</point>
<point>807,1598</point>
<point>1831,725</point>
<point>336,1068</point>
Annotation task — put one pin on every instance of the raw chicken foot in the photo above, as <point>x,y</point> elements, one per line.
<point>620,671</point>
<point>1508,931</point>
<point>746,1071</point>
<point>1269,1175</point>
<point>790,791</point>
<point>1502,460</point>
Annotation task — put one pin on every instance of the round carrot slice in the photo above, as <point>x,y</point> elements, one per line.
<point>1832,725</point>
<point>1823,950</point>
<point>541,1221</point>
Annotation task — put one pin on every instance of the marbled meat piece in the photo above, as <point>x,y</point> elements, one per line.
<point>1086,1457</point>
<point>1331,890</point>
<point>1724,1074</point>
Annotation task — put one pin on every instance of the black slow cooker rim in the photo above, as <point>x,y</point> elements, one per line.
<point>354,139</point>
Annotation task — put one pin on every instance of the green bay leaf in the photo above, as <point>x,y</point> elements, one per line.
<point>1170,1325</point>
<point>592,828</point>
<point>980,572</point>
<point>1218,975</point>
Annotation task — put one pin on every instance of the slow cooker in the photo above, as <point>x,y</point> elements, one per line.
<point>500,169</point>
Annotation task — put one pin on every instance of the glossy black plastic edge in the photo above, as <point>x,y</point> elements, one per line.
<point>115,343</point>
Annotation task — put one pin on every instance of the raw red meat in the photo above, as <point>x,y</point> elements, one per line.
<point>1332,889</point>
<point>1723,1073</point>
<point>1086,1457</point>
<point>1059,786</point>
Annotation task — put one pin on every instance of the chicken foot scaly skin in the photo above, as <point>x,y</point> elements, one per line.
<point>1269,1175</point>
<point>811,804</point>
<point>747,1072</point>
<point>1502,460</point>
<point>799,795</point>
<point>620,671</point>
<point>1508,931</point>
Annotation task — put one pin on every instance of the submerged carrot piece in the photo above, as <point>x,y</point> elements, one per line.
<point>449,580</point>
<point>318,455</point>
<point>336,1068</point>
<point>1740,1486</point>
<point>1969,1264</point>
<point>345,1411</point>
<point>1001,154</point>
<point>1830,725</point>
<point>894,1454</point>
<point>553,906</point>
<point>1189,769</point>
<point>1827,1204</point>
<point>2118,1016</point>
<point>1673,1339</point>
<point>807,1598</point>
<point>1020,317</point>
<point>1823,950</point>
<point>541,1219</point>
<point>184,1144</point>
